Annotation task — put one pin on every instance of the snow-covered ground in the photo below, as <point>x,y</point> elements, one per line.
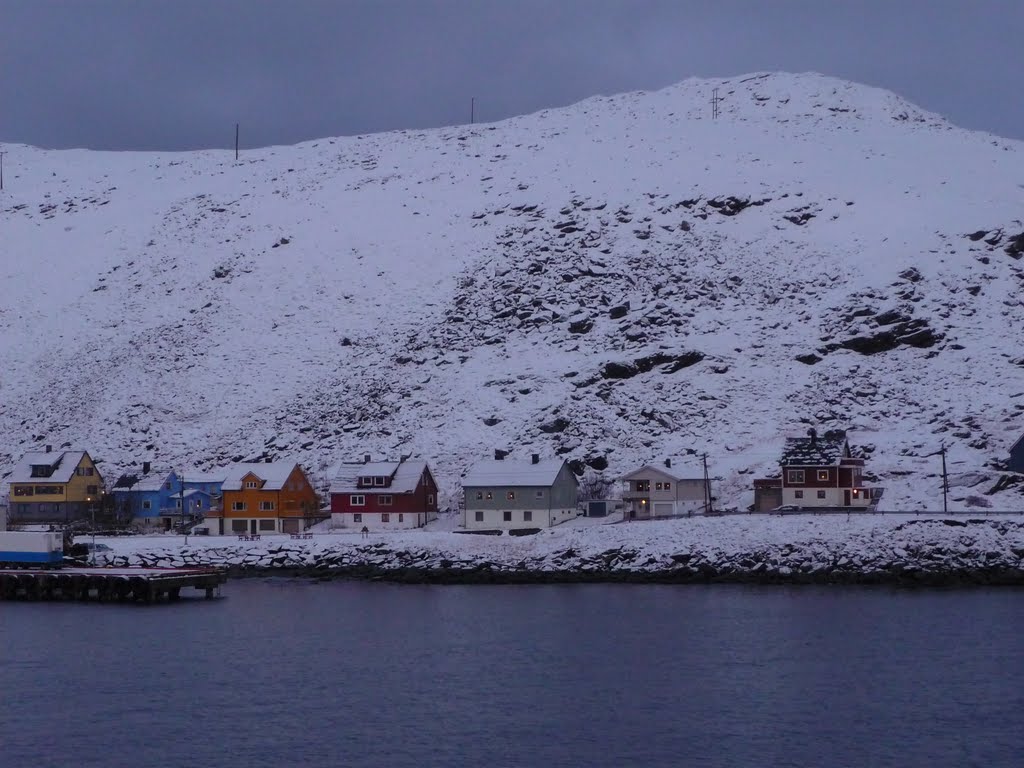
<point>882,546</point>
<point>613,282</point>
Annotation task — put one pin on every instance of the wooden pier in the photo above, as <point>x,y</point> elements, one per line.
<point>130,585</point>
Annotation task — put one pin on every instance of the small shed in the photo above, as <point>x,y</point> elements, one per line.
<point>1017,456</point>
<point>767,494</point>
<point>596,507</point>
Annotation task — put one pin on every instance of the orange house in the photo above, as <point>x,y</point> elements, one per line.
<point>275,497</point>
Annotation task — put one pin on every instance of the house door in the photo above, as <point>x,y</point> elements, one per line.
<point>252,527</point>
<point>846,497</point>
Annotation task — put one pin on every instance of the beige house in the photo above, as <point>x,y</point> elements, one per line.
<point>666,490</point>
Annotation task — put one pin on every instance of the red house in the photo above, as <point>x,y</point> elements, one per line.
<point>383,495</point>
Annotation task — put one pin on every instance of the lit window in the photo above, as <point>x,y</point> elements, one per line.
<point>489,496</point>
<point>479,495</point>
<point>657,486</point>
<point>511,495</point>
<point>668,486</point>
<point>822,474</point>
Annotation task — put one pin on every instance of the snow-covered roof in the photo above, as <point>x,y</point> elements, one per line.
<point>273,474</point>
<point>406,475</point>
<point>513,472</point>
<point>679,470</point>
<point>204,477</point>
<point>153,481</point>
<point>813,452</point>
<point>64,463</point>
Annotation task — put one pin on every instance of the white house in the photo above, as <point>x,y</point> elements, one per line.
<point>667,490</point>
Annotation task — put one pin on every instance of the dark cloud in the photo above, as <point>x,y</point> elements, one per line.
<point>178,74</point>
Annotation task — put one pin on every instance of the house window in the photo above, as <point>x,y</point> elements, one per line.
<point>385,499</point>
<point>798,494</point>
<point>92,490</point>
<point>48,490</point>
<point>430,499</point>
<point>668,486</point>
<point>479,495</point>
<point>357,518</point>
<point>177,503</point>
<point>794,476</point>
<point>239,506</point>
<point>268,525</point>
<point>657,486</point>
<point>527,516</point>
<point>239,526</point>
<point>479,517</point>
<point>823,474</point>
<point>378,481</point>
<point>643,486</point>
<point>401,517</point>
<point>267,506</point>
<point>251,484</point>
<point>23,490</point>
<point>821,494</point>
<point>41,470</point>
<point>511,495</point>
<point>540,494</point>
<point>385,518</point>
<point>83,471</point>
<point>147,504</point>
<point>489,496</point>
<point>357,500</point>
<point>507,516</point>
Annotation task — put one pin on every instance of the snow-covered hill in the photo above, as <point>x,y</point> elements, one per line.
<point>617,281</point>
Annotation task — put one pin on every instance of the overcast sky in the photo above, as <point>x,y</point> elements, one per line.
<point>178,74</point>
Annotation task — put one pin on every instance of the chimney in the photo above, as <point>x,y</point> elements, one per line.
<point>366,458</point>
<point>49,448</point>
<point>813,434</point>
<point>535,458</point>
<point>146,466</point>
<point>668,463</point>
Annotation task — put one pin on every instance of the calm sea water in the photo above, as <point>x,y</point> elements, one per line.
<point>289,673</point>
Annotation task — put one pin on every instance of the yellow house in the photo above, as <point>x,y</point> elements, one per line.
<point>54,487</point>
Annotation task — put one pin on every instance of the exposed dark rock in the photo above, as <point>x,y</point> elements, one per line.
<point>492,421</point>
<point>809,359</point>
<point>620,310</point>
<point>1015,246</point>
<point>976,236</point>
<point>912,275</point>
<point>600,463</point>
<point>555,425</point>
<point>581,326</point>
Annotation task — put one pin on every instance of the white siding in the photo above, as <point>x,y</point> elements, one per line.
<point>494,519</point>
<point>372,521</point>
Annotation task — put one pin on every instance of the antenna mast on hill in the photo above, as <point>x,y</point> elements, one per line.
<point>945,480</point>
<point>714,104</point>
<point>1,171</point>
<point>472,110</point>
<point>236,142</point>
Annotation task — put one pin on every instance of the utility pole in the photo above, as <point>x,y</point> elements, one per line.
<point>714,104</point>
<point>2,171</point>
<point>945,481</point>
<point>472,110</point>
<point>236,142</point>
<point>181,501</point>
<point>708,506</point>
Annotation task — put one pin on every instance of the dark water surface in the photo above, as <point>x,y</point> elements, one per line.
<point>289,673</point>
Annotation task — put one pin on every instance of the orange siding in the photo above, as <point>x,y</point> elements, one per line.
<point>296,499</point>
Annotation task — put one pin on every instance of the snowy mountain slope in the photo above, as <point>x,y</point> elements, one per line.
<point>616,281</point>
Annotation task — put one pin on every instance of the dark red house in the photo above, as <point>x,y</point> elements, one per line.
<point>383,494</point>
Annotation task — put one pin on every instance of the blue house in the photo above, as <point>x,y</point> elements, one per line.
<point>157,499</point>
<point>1017,456</point>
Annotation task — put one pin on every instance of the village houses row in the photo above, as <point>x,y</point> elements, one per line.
<point>503,493</point>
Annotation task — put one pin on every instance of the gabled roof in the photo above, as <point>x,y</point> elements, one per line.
<point>154,481</point>
<point>405,476</point>
<point>679,470</point>
<point>513,472</point>
<point>204,477</point>
<point>64,462</point>
<point>813,452</point>
<point>273,474</point>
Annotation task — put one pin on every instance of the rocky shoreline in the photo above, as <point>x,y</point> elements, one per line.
<point>931,552</point>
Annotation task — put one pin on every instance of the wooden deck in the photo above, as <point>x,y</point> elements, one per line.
<point>130,585</point>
